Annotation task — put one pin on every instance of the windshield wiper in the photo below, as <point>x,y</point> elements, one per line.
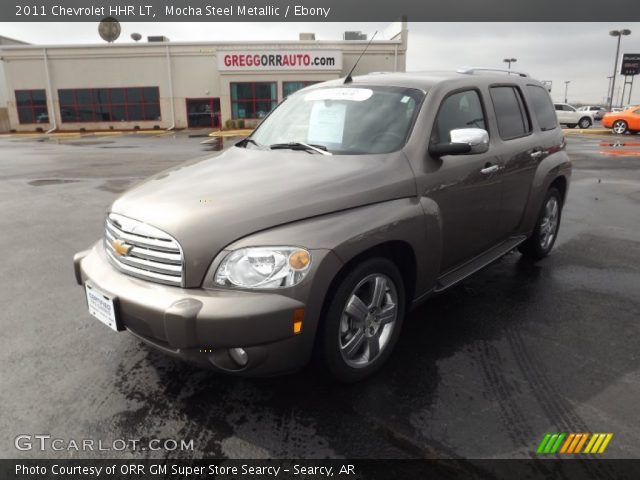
<point>243,143</point>
<point>300,146</point>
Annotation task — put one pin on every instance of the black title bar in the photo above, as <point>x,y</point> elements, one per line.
<point>565,469</point>
<point>320,10</point>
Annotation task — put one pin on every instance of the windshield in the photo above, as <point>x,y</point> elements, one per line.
<point>342,120</point>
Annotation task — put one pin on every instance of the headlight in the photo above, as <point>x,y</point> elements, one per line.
<point>264,267</point>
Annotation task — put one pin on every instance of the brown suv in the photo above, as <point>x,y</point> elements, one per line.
<point>352,202</point>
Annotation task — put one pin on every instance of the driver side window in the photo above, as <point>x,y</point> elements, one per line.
<point>460,110</point>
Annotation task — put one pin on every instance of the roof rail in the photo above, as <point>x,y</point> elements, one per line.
<point>472,70</point>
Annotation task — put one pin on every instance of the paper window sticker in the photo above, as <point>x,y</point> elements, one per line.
<point>326,124</point>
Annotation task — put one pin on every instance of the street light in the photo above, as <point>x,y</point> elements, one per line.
<point>608,90</point>
<point>566,89</point>
<point>619,34</point>
<point>510,61</point>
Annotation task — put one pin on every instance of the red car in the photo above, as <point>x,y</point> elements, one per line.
<point>622,122</point>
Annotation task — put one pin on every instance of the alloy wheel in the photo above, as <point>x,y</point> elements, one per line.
<point>619,127</point>
<point>368,320</point>
<point>549,222</point>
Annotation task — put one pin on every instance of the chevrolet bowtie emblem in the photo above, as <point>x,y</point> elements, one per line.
<point>121,248</point>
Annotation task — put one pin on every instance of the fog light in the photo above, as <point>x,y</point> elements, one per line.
<point>239,356</point>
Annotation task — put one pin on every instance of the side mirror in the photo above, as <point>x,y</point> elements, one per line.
<point>463,141</point>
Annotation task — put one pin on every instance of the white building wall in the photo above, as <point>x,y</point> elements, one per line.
<point>4,90</point>
<point>194,73</point>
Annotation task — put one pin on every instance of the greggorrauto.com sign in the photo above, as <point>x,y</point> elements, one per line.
<point>251,60</point>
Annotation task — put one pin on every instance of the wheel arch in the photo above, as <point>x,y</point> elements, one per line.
<point>554,170</point>
<point>400,252</point>
<point>562,185</point>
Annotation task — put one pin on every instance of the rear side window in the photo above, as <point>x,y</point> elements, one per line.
<point>542,107</point>
<point>460,110</point>
<point>512,117</point>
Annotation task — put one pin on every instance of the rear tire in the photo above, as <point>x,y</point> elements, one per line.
<point>541,241</point>
<point>584,122</point>
<point>363,321</point>
<point>620,127</point>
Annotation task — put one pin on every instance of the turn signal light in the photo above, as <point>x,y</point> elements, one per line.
<point>298,317</point>
<point>299,260</point>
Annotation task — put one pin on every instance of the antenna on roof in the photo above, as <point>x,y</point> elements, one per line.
<point>348,78</point>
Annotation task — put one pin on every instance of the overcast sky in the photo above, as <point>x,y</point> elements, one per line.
<point>579,52</point>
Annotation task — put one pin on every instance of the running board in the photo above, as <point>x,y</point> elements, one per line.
<point>478,263</point>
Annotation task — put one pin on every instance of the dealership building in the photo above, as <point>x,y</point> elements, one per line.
<point>165,84</point>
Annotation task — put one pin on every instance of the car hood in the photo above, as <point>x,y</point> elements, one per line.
<point>208,204</point>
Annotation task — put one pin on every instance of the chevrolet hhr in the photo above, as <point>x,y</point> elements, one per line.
<point>351,203</point>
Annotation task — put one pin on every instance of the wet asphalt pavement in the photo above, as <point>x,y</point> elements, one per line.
<point>482,371</point>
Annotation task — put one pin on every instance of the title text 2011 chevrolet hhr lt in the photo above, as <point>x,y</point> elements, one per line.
<point>349,204</point>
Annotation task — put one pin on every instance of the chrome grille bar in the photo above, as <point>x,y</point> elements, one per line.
<point>152,254</point>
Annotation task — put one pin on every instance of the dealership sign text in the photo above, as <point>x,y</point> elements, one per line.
<point>280,60</point>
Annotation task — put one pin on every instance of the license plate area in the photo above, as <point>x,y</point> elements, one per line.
<point>103,307</point>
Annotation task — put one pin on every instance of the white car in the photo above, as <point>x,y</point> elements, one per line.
<point>596,110</point>
<point>570,116</point>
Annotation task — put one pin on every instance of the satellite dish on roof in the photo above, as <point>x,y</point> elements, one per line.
<point>109,29</point>
<point>136,37</point>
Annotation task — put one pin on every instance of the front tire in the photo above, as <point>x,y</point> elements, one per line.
<point>363,320</point>
<point>541,241</point>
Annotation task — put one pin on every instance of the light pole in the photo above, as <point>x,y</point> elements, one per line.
<point>619,34</point>
<point>608,91</point>
<point>566,89</point>
<point>509,61</point>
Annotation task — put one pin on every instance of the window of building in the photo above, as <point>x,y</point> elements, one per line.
<point>512,117</point>
<point>109,104</point>
<point>460,110</point>
<point>289,88</point>
<point>542,107</point>
<point>253,99</point>
<point>32,106</point>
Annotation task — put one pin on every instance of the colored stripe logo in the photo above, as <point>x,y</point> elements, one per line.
<point>571,443</point>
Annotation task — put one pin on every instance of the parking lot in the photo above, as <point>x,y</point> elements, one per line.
<point>482,371</point>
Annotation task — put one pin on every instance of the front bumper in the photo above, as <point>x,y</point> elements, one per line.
<point>201,325</point>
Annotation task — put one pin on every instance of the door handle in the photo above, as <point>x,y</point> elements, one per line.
<point>537,154</point>
<point>490,169</point>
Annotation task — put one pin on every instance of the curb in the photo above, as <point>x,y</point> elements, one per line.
<point>232,133</point>
<point>586,131</point>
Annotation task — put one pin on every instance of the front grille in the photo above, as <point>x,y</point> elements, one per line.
<point>152,254</point>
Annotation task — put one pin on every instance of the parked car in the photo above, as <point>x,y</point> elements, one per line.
<point>623,122</point>
<point>349,205</point>
<point>596,110</point>
<point>571,117</point>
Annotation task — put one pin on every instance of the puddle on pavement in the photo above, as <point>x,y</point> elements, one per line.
<point>50,181</point>
<point>115,185</point>
<point>619,144</point>
<point>620,148</point>
<point>621,153</point>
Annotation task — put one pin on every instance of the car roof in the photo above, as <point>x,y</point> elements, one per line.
<point>427,80</point>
